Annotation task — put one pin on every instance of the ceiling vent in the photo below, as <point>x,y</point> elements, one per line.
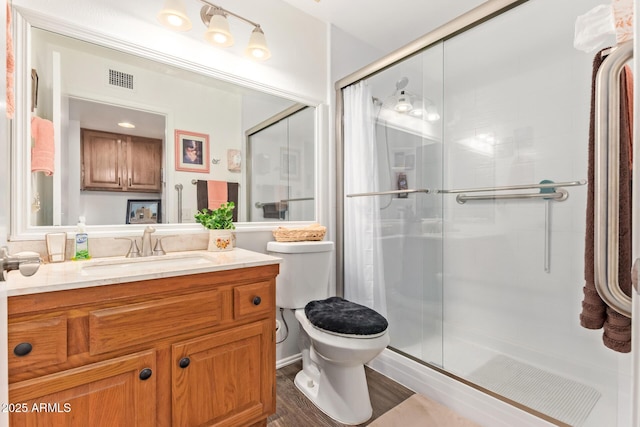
<point>120,79</point>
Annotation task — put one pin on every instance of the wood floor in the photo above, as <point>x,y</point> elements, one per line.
<point>293,409</point>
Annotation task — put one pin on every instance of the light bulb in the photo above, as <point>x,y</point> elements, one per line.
<point>218,31</point>
<point>257,47</point>
<point>404,103</point>
<point>174,15</point>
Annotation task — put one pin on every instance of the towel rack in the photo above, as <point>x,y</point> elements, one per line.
<point>607,179</point>
<point>259,205</point>
<point>559,194</point>
<point>555,193</point>
<point>390,192</point>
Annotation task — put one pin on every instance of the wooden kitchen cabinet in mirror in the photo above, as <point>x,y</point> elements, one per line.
<point>113,162</point>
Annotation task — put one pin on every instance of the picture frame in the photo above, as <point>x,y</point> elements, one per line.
<point>144,211</point>
<point>289,163</point>
<point>191,151</point>
<point>234,160</point>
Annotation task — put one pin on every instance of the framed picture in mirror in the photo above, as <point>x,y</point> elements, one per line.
<point>289,163</point>
<point>144,211</point>
<point>192,151</point>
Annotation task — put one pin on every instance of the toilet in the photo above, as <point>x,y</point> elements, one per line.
<point>337,337</point>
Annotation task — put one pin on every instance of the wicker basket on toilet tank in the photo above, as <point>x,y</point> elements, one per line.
<point>311,232</point>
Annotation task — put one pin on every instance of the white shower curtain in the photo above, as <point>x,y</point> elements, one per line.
<point>363,267</point>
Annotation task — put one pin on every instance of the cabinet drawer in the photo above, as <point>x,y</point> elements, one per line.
<point>42,342</point>
<point>256,298</point>
<point>118,327</point>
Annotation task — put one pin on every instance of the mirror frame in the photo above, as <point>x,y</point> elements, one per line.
<point>24,20</point>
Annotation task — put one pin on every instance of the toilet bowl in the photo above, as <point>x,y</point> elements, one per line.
<point>336,338</point>
<point>333,378</point>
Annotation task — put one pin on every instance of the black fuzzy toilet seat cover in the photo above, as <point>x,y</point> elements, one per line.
<point>340,316</point>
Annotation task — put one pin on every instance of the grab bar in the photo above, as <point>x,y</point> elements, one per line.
<point>607,180</point>
<point>517,187</point>
<point>178,188</point>
<point>390,192</point>
<point>559,195</point>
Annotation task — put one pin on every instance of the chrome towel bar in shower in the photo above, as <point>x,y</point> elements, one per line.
<point>607,180</point>
<point>259,205</point>
<point>391,192</point>
<point>517,187</point>
<point>558,194</point>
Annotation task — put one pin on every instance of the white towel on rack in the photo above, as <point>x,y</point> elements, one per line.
<point>595,29</point>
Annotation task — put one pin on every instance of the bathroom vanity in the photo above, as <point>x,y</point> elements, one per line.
<point>146,343</point>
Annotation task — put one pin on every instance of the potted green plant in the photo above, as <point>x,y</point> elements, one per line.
<point>219,222</point>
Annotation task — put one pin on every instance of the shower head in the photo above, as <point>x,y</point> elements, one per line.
<point>402,83</point>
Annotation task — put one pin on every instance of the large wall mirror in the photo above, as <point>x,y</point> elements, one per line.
<point>187,134</point>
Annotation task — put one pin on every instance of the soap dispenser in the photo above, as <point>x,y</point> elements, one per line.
<point>82,241</point>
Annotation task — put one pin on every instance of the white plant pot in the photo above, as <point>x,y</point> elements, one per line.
<point>221,240</point>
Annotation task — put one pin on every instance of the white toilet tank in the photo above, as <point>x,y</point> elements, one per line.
<point>304,272</point>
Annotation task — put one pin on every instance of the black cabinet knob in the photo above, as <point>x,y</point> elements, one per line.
<point>145,374</point>
<point>257,300</point>
<point>22,349</point>
<point>184,362</point>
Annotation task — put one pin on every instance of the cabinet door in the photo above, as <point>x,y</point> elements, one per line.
<point>224,379</point>
<point>144,164</point>
<point>102,161</point>
<point>115,392</point>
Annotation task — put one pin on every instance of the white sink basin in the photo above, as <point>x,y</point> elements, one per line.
<point>145,264</point>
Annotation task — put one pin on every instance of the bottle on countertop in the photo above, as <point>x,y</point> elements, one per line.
<point>82,241</point>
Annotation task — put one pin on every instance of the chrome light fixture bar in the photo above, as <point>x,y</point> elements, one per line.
<point>173,15</point>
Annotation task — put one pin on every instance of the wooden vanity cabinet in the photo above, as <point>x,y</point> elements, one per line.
<point>114,162</point>
<point>195,350</point>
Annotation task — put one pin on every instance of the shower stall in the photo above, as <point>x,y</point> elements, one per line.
<point>462,167</point>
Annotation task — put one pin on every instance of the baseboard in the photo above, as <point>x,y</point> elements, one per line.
<point>465,400</point>
<point>288,360</point>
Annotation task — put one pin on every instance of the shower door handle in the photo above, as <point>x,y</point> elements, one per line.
<point>607,180</point>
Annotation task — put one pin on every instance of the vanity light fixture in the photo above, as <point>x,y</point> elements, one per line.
<point>218,29</point>
<point>432,113</point>
<point>174,16</point>
<point>403,105</point>
<point>425,109</point>
<point>126,125</point>
<point>217,33</point>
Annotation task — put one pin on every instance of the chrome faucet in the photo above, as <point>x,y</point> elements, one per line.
<point>147,249</point>
<point>28,265</point>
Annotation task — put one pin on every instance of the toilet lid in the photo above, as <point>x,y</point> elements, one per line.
<point>339,316</point>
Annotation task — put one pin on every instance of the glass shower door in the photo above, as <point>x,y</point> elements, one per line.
<point>281,157</point>
<point>406,115</point>
<point>490,290</point>
<point>513,268</point>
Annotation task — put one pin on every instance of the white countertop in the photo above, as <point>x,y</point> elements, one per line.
<point>106,271</point>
